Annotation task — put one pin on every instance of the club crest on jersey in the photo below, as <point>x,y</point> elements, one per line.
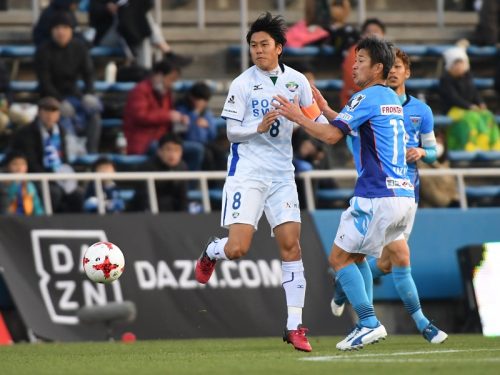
<point>416,120</point>
<point>231,100</point>
<point>292,86</point>
<point>354,102</point>
<point>235,214</point>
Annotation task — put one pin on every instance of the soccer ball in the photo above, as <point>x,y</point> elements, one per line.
<point>103,262</point>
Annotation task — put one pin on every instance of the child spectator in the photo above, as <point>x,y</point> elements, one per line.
<point>201,129</point>
<point>171,194</point>
<point>19,197</point>
<point>113,201</point>
<point>474,126</point>
<point>342,36</point>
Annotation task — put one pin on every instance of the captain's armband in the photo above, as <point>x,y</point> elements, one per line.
<point>312,111</point>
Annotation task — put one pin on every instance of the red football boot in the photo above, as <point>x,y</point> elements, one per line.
<point>205,266</point>
<point>297,337</point>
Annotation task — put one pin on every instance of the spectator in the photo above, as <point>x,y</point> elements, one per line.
<point>44,144</point>
<point>487,29</point>
<point>59,63</point>
<point>172,194</point>
<point>149,111</point>
<point>342,36</point>
<point>19,197</point>
<point>474,126</point>
<point>42,29</point>
<point>135,24</point>
<point>201,129</point>
<point>371,27</point>
<point>112,200</point>
<point>103,17</point>
<point>4,104</point>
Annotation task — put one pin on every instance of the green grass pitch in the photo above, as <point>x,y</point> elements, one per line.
<point>460,354</point>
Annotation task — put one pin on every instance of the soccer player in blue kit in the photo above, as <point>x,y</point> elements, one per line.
<point>420,145</point>
<point>384,196</point>
<point>260,170</point>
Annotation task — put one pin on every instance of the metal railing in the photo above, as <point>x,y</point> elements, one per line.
<point>204,177</point>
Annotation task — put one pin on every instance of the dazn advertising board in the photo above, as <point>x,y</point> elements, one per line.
<point>41,262</point>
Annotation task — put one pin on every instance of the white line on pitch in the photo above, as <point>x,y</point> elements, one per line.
<point>374,355</point>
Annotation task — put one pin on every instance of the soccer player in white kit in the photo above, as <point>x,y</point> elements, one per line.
<point>260,171</point>
<point>384,197</point>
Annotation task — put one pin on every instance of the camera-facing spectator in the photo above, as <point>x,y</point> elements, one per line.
<point>474,126</point>
<point>113,202</point>
<point>59,64</point>
<point>19,197</point>
<point>42,29</point>
<point>44,144</point>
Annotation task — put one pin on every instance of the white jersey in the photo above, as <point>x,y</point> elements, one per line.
<point>268,155</point>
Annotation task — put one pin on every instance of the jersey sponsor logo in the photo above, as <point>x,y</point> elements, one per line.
<point>231,100</point>
<point>230,111</point>
<point>257,87</point>
<point>261,106</point>
<point>344,116</point>
<point>292,86</point>
<point>391,110</point>
<point>398,183</point>
<point>354,102</point>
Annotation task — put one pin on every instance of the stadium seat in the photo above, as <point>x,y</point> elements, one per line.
<point>485,191</point>
<point>214,194</point>
<point>111,122</point>
<point>334,194</point>
<point>23,51</point>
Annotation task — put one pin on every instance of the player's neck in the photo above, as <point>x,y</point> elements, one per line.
<point>375,81</point>
<point>271,72</point>
<point>400,90</point>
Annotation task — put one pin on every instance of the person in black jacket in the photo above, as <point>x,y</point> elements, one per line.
<point>44,144</point>
<point>172,194</point>
<point>59,63</point>
<point>474,127</point>
<point>41,31</point>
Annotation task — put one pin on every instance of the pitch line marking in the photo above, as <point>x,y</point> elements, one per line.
<point>375,355</point>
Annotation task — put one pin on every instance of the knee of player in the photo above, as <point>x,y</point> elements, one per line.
<point>236,250</point>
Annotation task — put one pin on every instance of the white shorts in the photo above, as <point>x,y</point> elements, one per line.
<point>371,223</point>
<point>409,227</point>
<point>245,198</point>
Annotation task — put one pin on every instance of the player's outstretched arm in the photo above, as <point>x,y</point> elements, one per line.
<point>291,111</point>
<point>329,113</point>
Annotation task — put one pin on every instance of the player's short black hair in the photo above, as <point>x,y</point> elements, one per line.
<point>372,21</point>
<point>274,26</point>
<point>381,52</point>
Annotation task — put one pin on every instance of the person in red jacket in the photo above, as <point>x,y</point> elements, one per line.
<point>149,113</point>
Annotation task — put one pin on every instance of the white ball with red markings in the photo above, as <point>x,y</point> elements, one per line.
<point>103,262</point>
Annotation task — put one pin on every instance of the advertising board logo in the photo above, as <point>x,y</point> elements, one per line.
<point>63,285</point>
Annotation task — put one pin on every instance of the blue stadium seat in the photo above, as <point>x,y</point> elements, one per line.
<point>442,120</point>
<point>22,51</point>
<point>462,155</point>
<point>485,191</point>
<point>111,122</point>
<point>88,160</point>
<point>334,194</point>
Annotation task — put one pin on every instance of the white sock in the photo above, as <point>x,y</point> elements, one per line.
<point>294,284</point>
<point>216,249</point>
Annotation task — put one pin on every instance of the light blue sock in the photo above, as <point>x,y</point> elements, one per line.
<point>352,283</point>
<point>376,272</point>
<point>403,281</point>
<point>364,269</point>
<point>339,296</point>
